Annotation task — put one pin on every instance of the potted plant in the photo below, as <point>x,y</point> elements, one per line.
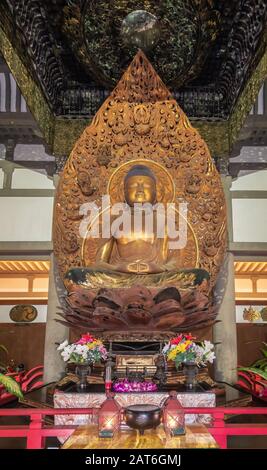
<point>191,355</point>
<point>84,353</point>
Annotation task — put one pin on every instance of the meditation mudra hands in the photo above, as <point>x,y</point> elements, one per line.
<point>137,266</point>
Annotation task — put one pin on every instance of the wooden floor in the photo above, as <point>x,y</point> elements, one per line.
<point>86,437</point>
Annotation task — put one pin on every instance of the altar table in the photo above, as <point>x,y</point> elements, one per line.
<point>86,437</point>
<point>95,400</point>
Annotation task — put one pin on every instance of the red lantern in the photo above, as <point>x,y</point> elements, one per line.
<point>109,417</point>
<point>173,416</point>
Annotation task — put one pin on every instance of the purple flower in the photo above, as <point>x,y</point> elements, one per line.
<point>125,385</point>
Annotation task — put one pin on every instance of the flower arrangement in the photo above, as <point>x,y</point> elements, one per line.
<point>126,385</point>
<point>182,349</point>
<point>86,350</point>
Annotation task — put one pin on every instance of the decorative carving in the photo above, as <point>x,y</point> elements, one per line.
<point>173,149</point>
<point>219,99</point>
<point>187,30</point>
<point>251,314</point>
<point>94,400</point>
<point>36,40</point>
<point>227,34</point>
<point>85,183</point>
<point>23,313</point>
<point>104,155</point>
<point>194,184</point>
<point>70,244</point>
<point>136,309</point>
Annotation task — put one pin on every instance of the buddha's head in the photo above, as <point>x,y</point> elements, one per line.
<point>140,185</point>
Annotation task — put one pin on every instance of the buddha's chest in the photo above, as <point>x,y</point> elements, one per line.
<point>130,248</point>
<point>139,229</point>
<point>136,238</point>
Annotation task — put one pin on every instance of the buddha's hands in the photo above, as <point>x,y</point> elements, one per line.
<point>141,267</point>
<point>137,267</point>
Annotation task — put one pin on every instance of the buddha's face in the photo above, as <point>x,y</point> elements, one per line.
<point>140,188</point>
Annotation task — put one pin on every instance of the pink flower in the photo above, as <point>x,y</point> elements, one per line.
<point>189,337</point>
<point>176,340</point>
<point>86,338</point>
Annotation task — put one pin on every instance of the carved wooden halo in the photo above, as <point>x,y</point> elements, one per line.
<point>165,183</point>
<point>192,237</point>
<point>88,255</point>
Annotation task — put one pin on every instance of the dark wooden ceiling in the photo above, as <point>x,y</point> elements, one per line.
<point>65,70</point>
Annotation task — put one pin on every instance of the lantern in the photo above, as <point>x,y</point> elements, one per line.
<point>173,416</point>
<point>109,417</point>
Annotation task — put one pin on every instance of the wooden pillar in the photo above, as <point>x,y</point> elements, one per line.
<point>224,332</point>
<point>54,366</point>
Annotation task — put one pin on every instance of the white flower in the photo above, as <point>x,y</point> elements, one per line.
<point>210,357</point>
<point>62,345</point>
<point>81,349</point>
<point>204,352</point>
<point>207,345</point>
<point>68,350</point>
<point>165,349</point>
<point>198,350</point>
<point>65,355</point>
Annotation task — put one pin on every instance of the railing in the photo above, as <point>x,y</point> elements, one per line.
<point>36,431</point>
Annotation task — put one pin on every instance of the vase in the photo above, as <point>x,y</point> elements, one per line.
<point>82,371</point>
<point>190,370</point>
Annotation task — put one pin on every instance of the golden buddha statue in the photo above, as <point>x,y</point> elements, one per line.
<point>136,257</point>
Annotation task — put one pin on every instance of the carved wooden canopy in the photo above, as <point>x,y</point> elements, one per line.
<point>141,121</point>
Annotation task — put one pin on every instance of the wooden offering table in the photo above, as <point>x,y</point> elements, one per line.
<point>94,399</point>
<point>86,437</point>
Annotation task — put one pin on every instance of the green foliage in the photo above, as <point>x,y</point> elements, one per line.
<point>11,385</point>
<point>255,370</point>
<point>262,363</point>
<point>259,367</point>
<point>187,356</point>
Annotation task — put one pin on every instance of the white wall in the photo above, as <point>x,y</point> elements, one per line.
<point>29,179</point>
<point>26,219</point>
<point>256,181</point>
<point>249,220</point>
